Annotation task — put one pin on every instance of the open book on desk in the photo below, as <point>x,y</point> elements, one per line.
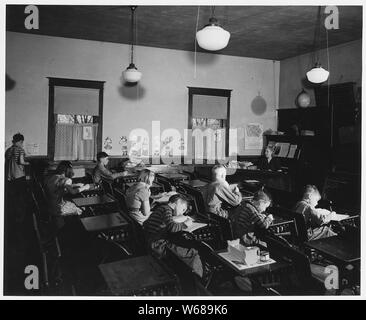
<point>195,226</point>
<point>163,197</point>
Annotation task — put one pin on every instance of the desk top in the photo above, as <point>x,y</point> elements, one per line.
<point>173,176</point>
<point>93,201</point>
<point>260,269</point>
<point>154,185</point>
<point>127,275</point>
<point>103,222</point>
<point>337,247</point>
<point>195,183</point>
<point>257,171</point>
<point>128,175</point>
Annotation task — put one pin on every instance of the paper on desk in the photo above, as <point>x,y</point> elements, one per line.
<point>194,226</point>
<point>164,197</point>
<point>251,181</point>
<point>339,217</point>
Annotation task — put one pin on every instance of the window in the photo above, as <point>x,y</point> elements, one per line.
<point>210,109</point>
<point>75,119</point>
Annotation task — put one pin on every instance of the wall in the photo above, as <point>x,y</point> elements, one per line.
<point>345,64</point>
<point>161,95</point>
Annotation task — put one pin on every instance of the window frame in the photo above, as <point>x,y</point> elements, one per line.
<point>210,92</point>
<point>76,83</point>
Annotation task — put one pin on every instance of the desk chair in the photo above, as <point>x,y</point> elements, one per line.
<point>166,184</point>
<point>197,194</point>
<point>193,283</point>
<point>296,226</point>
<point>301,232</point>
<point>226,228</point>
<point>121,198</point>
<point>107,187</point>
<point>140,276</point>
<point>39,195</point>
<point>305,283</point>
<point>141,243</point>
<point>48,243</point>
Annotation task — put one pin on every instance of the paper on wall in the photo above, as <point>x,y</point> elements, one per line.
<point>253,135</point>
<point>87,133</point>
<point>32,149</point>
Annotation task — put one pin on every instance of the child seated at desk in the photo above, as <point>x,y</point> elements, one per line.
<point>161,224</point>
<point>251,215</point>
<point>219,196</point>
<point>101,171</point>
<point>315,218</point>
<point>56,187</point>
<point>138,196</point>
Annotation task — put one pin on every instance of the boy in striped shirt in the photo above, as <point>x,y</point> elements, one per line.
<point>16,186</point>
<point>168,219</point>
<point>251,215</point>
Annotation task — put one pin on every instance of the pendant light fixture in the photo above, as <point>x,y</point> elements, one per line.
<point>212,37</point>
<point>131,74</point>
<point>317,74</point>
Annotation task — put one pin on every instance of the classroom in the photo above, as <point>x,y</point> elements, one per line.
<point>181,150</point>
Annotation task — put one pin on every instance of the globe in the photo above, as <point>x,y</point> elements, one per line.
<point>303,99</point>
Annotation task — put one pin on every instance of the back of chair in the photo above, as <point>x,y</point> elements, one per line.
<point>121,197</point>
<point>107,186</point>
<point>40,201</point>
<point>225,227</point>
<point>43,224</point>
<point>166,184</point>
<point>301,229</point>
<point>198,195</point>
<point>299,261</point>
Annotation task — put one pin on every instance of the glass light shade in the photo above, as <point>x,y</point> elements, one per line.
<point>317,74</point>
<point>303,99</point>
<point>131,74</point>
<point>213,38</point>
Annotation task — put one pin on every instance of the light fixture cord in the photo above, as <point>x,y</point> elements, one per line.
<point>316,37</point>
<point>136,41</point>
<point>212,11</point>
<point>132,32</point>
<point>328,64</point>
<point>195,44</point>
<point>319,33</point>
<point>274,83</point>
<point>328,83</point>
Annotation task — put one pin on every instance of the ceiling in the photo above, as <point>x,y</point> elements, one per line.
<point>268,32</point>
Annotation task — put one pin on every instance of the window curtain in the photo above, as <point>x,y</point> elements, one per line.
<point>87,141</point>
<point>65,148</point>
<point>75,141</point>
